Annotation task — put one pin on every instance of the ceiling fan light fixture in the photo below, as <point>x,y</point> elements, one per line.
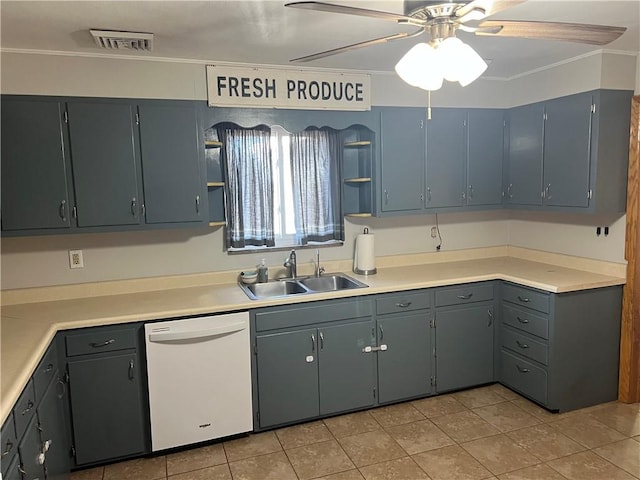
<point>425,66</point>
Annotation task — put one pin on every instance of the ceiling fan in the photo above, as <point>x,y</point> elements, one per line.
<point>440,19</point>
<point>444,56</point>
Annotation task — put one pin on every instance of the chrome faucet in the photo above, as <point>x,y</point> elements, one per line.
<point>319,269</point>
<point>290,264</point>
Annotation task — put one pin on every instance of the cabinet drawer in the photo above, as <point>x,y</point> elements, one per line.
<point>473,292</point>
<point>45,371</point>
<point>8,443</point>
<point>524,345</point>
<point>309,314</point>
<point>526,297</point>
<point>523,376</point>
<point>24,409</point>
<point>524,320</point>
<point>402,302</point>
<point>103,341</point>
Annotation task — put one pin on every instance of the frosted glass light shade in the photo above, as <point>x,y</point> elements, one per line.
<point>419,67</point>
<point>425,66</point>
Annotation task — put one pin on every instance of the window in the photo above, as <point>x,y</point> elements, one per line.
<point>282,188</point>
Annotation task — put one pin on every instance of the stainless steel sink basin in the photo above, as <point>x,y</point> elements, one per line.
<point>277,288</point>
<point>301,286</point>
<point>331,283</point>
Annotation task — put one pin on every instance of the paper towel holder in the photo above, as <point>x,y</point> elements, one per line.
<point>360,271</point>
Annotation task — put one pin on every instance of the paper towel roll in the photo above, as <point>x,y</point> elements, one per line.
<point>364,259</point>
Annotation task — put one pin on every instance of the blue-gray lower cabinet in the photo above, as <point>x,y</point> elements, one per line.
<point>53,431</point>
<point>30,451</point>
<point>561,350</point>
<point>405,358</point>
<point>106,375</point>
<point>310,360</point>
<point>464,332</point>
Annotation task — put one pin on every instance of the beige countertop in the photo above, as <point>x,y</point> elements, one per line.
<point>28,328</point>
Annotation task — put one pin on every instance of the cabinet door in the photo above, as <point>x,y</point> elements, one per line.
<point>403,156</point>
<point>446,158</point>
<point>35,189</point>
<point>105,163</point>
<point>29,448</point>
<point>346,372</point>
<point>111,386</point>
<point>171,164</point>
<point>53,432</point>
<point>524,182</point>
<point>404,368</point>
<point>464,347</point>
<point>485,152</point>
<point>567,152</point>
<point>287,370</point>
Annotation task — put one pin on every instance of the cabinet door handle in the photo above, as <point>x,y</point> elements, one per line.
<point>403,304</point>
<point>63,390</point>
<point>510,190</point>
<point>7,448</point>
<point>523,299</point>
<point>465,297</point>
<point>49,368</point>
<point>321,340</point>
<point>490,315</point>
<point>522,320</point>
<point>103,344</point>
<point>547,192</point>
<point>63,210</point>
<point>381,331</point>
<point>522,370</point>
<point>386,197</point>
<point>21,470</point>
<point>198,204</point>
<point>131,369</point>
<point>313,343</point>
<point>470,191</point>
<point>521,345</point>
<point>134,203</point>
<point>28,409</point>
<point>428,194</point>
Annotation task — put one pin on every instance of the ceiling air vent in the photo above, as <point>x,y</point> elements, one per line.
<point>123,40</point>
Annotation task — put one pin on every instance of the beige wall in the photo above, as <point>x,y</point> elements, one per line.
<point>43,260</point>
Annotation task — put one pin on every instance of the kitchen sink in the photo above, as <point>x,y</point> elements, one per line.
<point>301,286</point>
<point>331,283</point>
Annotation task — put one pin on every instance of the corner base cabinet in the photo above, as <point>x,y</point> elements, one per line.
<point>561,350</point>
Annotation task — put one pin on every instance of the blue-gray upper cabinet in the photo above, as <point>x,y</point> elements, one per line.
<point>105,162</point>
<point>171,163</point>
<point>402,160</point>
<point>36,181</point>
<point>523,184</point>
<point>446,158</point>
<point>358,150</point>
<point>485,155</point>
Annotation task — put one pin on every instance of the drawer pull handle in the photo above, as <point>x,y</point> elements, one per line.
<point>523,299</point>
<point>103,344</point>
<point>49,368</point>
<point>7,448</point>
<point>490,315</point>
<point>403,304</point>
<point>465,297</point>
<point>131,369</point>
<point>28,409</point>
<point>522,370</point>
<point>522,345</point>
<point>522,320</point>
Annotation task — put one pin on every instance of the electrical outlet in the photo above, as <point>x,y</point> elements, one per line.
<point>434,232</point>
<point>75,259</point>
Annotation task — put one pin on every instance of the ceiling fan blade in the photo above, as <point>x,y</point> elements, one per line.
<point>363,12</point>
<point>484,8</point>
<point>354,46</point>
<point>568,32</point>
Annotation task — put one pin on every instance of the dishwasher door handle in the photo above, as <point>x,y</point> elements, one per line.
<point>169,336</point>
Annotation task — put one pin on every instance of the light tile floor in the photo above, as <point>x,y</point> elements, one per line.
<point>483,433</point>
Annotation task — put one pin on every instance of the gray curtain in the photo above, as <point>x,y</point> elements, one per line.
<point>249,186</point>
<point>316,173</point>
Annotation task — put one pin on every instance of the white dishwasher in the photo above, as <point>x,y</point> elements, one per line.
<point>199,379</point>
